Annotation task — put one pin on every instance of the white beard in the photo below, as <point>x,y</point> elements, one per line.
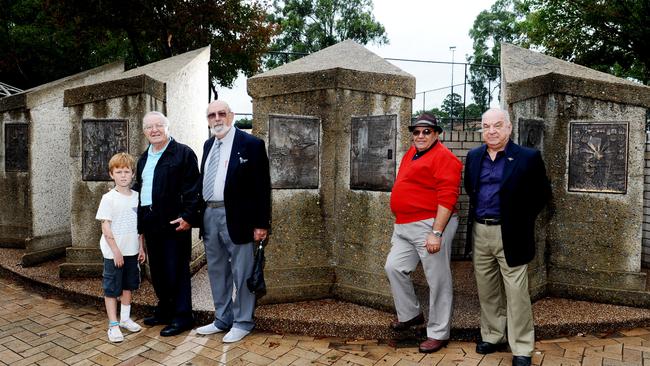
<point>219,129</point>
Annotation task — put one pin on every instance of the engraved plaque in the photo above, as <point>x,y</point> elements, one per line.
<point>16,147</point>
<point>100,140</point>
<point>293,151</point>
<point>372,154</point>
<point>598,157</point>
<point>531,133</point>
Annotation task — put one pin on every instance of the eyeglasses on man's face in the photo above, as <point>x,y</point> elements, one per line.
<point>425,132</point>
<point>221,114</point>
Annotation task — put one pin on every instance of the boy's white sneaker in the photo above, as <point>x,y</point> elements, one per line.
<point>235,335</point>
<point>130,325</point>
<point>115,334</point>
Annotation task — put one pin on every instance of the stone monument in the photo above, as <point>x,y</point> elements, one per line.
<point>34,175</point>
<point>106,118</point>
<point>335,123</point>
<point>590,127</point>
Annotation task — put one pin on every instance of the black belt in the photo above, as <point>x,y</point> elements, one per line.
<point>214,204</point>
<point>488,220</point>
<point>147,208</point>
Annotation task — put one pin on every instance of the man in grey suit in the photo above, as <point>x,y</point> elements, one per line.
<point>237,194</point>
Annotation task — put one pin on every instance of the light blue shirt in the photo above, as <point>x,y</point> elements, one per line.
<point>147,174</point>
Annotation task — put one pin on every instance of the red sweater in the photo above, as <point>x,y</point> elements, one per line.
<point>425,183</point>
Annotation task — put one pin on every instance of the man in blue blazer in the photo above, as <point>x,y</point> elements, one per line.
<point>507,187</point>
<point>236,187</point>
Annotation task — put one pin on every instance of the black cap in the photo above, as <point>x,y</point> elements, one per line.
<point>426,120</point>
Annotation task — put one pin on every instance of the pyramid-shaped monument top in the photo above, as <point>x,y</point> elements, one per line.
<point>347,65</point>
<point>345,55</point>
<point>150,78</point>
<point>165,69</point>
<point>527,73</point>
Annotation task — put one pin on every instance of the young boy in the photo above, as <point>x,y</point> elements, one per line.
<point>121,245</point>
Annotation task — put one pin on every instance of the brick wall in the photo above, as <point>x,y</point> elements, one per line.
<point>460,142</point>
<point>645,259</point>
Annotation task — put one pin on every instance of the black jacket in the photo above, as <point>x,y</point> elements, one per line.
<point>176,186</point>
<point>524,191</point>
<point>247,192</point>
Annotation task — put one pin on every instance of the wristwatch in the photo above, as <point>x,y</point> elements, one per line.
<point>437,234</point>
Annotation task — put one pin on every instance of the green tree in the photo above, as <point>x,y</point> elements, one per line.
<point>311,25</point>
<point>473,111</point>
<point>610,36</point>
<point>244,123</point>
<point>51,39</point>
<point>452,105</point>
<point>491,27</point>
<point>437,112</point>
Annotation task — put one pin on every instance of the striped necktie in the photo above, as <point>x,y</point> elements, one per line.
<point>211,174</point>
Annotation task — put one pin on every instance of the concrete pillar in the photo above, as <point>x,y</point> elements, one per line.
<point>337,118</point>
<point>590,127</point>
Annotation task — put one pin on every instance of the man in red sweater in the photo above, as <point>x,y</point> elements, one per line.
<point>423,201</point>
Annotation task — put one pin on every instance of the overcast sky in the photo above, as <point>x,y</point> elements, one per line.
<point>417,29</point>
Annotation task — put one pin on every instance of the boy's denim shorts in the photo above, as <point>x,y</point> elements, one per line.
<point>118,279</point>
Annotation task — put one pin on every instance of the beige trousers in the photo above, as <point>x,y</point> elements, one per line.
<point>503,293</point>
<point>408,248</point>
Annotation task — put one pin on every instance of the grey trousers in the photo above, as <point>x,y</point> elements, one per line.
<point>502,292</point>
<point>228,264</point>
<point>408,248</point>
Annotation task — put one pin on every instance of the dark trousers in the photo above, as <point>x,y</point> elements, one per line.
<point>169,255</point>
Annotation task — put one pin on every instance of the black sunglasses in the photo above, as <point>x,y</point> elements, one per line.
<point>426,132</point>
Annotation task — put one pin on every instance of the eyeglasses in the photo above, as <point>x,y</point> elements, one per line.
<point>221,114</point>
<point>426,132</point>
<point>158,126</point>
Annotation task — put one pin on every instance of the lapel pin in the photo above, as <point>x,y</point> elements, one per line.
<point>511,159</point>
<point>242,160</point>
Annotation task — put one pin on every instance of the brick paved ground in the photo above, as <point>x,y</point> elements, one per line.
<point>50,331</point>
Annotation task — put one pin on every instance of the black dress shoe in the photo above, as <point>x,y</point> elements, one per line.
<point>485,348</point>
<point>175,329</point>
<point>154,320</point>
<point>401,326</point>
<point>521,361</point>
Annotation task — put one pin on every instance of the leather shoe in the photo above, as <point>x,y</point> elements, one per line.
<point>401,326</point>
<point>521,361</point>
<point>485,348</point>
<point>154,320</point>
<point>175,329</point>
<point>432,345</point>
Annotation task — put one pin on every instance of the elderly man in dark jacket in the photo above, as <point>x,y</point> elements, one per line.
<point>507,187</point>
<point>168,181</point>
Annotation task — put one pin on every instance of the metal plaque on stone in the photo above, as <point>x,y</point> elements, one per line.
<point>372,155</point>
<point>531,133</point>
<point>16,147</point>
<point>293,151</point>
<point>100,140</point>
<point>598,157</point>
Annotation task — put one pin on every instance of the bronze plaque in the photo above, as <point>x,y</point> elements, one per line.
<point>372,154</point>
<point>16,147</point>
<point>598,157</point>
<point>293,151</point>
<point>531,133</point>
<point>100,140</point>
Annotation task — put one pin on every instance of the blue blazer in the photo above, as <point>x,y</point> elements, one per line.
<point>524,191</point>
<point>247,193</point>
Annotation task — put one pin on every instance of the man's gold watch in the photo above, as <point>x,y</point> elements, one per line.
<point>437,234</point>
